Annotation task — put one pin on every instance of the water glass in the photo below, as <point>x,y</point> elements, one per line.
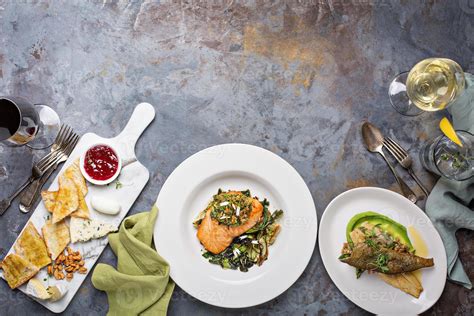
<point>445,158</point>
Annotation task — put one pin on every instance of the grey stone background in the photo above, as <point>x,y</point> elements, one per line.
<point>295,77</point>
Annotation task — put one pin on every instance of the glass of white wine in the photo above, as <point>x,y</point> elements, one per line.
<point>431,85</point>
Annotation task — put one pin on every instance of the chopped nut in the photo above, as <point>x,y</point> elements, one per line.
<point>77,258</point>
<point>58,275</point>
<point>69,276</point>
<point>69,250</point>
<point>83,270</point>
<point>50,269</point>
<point>81,263</point>
<point>69,269</point>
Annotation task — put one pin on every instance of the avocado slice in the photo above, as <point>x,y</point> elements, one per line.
<point>385,223</point>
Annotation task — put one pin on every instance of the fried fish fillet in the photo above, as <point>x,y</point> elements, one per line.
<point>367,258</point>
<point>31,246</point>
<point>17,270</point>
<point>67,200</point>
<point>216,237</point>
<point>56,237</point>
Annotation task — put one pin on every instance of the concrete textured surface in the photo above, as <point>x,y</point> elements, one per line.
<point>295,77</point>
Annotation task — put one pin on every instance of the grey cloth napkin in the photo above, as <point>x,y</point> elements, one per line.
<point>450,205</point>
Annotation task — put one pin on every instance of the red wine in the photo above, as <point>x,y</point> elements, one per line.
<point>9,119</point>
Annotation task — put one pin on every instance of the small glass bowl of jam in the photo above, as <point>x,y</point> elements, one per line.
<point>100,164</point>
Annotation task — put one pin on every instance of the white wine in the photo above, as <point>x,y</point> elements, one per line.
<point>434,83</point>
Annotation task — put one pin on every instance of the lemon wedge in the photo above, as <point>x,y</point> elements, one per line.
<point>448,130</point>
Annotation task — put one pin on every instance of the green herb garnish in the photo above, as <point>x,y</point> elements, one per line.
<point>251,248</point>
<point>344,256</point>
<point>381,262</point>
<point>231,209</point>
<point>459,160</point>
<point>372,244</point>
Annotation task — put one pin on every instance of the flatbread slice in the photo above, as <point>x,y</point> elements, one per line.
<point>82,211</point>
<point>31,246</point>
<point>49,199</point>
<point>56,237</point>
<point>67,200</point>
<point>73,172</point>
<point>17,270</point>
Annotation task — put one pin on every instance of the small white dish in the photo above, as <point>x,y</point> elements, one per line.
<point>100,182</point>
<point>369,292</point>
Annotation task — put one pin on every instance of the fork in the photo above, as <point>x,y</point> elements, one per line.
<point>401,155</point>
<point>30,195</point>
<point>38,170</point>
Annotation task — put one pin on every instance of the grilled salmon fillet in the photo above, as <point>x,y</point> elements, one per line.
<point>216,237</point>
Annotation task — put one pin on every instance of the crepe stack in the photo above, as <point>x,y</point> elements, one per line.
<point>69,199</point>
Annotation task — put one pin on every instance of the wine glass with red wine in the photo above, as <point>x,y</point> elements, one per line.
<point>22,123</point>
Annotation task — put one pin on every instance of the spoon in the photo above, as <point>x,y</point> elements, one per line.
<point>373,140</point>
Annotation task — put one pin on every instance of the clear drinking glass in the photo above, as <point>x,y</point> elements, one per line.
<point>431,85</point>
<point>445,158</point>
<point>22,123</point>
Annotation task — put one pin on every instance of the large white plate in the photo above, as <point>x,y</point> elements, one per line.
<point>369,292</point>
<point>188,190</point>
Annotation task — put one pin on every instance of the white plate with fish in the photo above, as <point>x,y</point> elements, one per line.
<point>251,264</point>
<point>389,240</point>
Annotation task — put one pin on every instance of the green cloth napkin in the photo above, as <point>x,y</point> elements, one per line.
<point>140,285</point>
<point>450,203</point>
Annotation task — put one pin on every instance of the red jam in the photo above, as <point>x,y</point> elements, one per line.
<point>101,162</point>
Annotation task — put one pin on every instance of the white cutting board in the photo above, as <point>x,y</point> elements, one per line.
<point>133,178</point>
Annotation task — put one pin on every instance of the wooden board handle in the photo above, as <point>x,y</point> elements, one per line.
<point>142,116</point>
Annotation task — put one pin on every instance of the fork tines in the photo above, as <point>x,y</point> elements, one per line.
<point>64,143</point>
<point>395,149</point>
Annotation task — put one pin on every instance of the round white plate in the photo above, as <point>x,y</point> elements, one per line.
<point>369,292</point>
<point>188,190</point>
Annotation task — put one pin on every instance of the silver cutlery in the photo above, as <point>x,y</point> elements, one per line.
<point>31,194</point>
<point>401,155</point>
<point>373,140</point>
<point>28,193</point>
<point>38,170</point>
